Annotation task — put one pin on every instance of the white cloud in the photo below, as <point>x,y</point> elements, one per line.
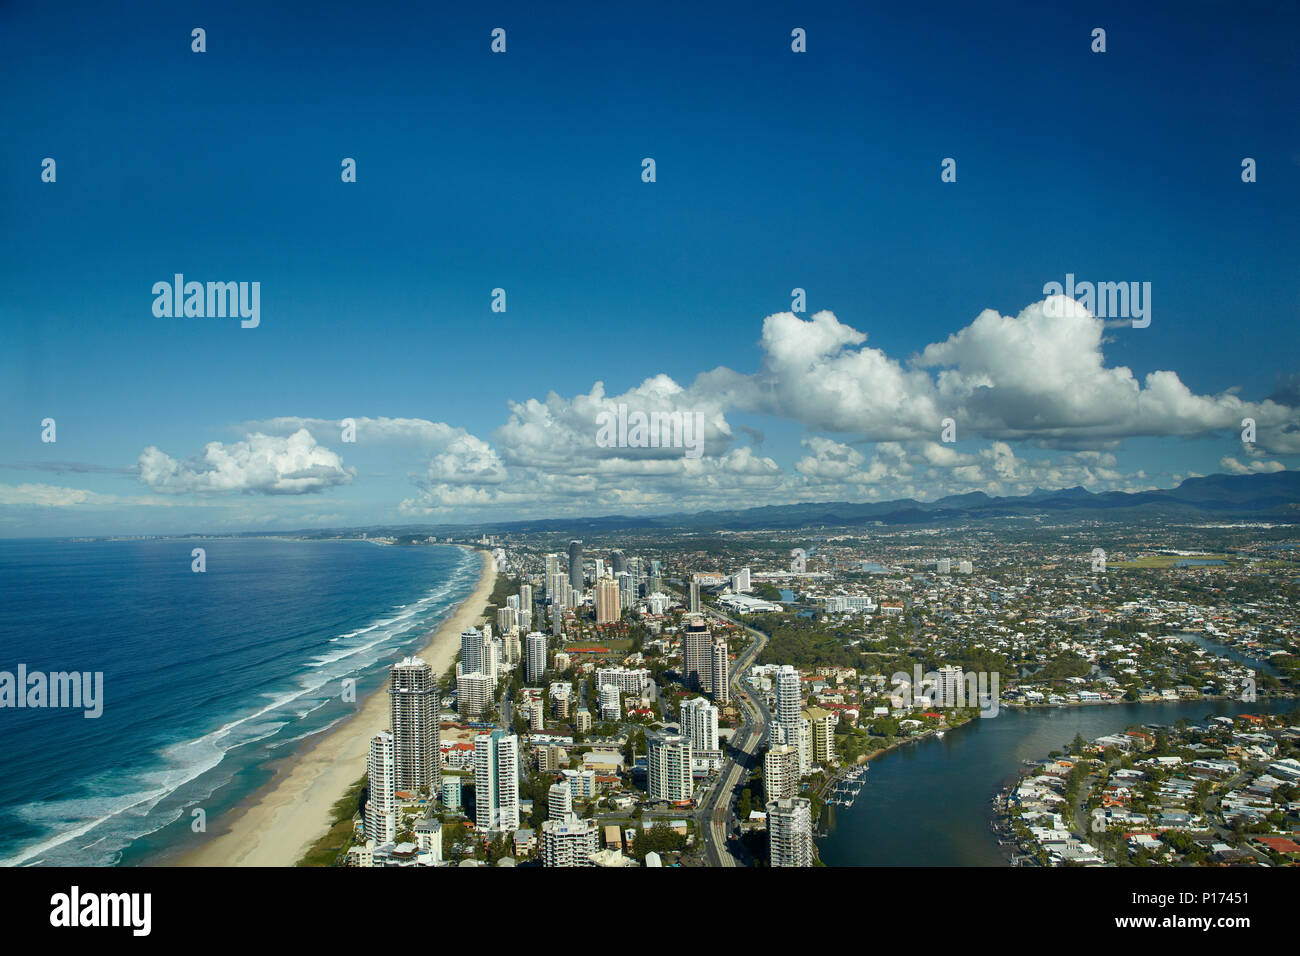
<point>1257,467</point>
<point>1010,382</point>
<point>52,496</point>
<point>261,464</point>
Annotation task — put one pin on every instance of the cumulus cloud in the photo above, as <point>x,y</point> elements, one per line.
<point>1257,467</point>
<point>1034,382</point>
<point>261,464</point>
<point>416,432</point>
<point>1040,375</point>
<point>560,434</point>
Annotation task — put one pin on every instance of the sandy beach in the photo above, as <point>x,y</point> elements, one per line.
<point>285,820</point>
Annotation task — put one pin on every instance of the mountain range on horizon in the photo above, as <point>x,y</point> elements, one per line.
<point>1273,497</point>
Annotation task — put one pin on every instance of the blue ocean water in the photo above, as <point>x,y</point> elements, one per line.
<point>208,678</point>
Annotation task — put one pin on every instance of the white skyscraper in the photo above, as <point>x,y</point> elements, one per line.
<point>474,695</point>
<point>668,765</point>
<point>720,670</point>
<point>950,689</point>
<point>789,832</point>
<point>610,706</point>
<point>475,656</point>
<point>699,720</point>
<point>559,801</point>
<point>781,772</point>
<point>789,696</point>
<point>413,712</point>
<point>496,781</point>
<point>791,727</point>
<point>534,657</point>
<point>381,786</point>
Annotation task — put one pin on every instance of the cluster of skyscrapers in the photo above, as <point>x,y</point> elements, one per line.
<point>705,659</point>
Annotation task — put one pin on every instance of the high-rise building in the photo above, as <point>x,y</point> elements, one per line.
<point>803,740</point>
<point>789,832</point>
<point>740,581</point>
<point>534,657</point>
<point>575,565</point>
<point>582,720</point>
<point>569,841</point>
<point>719,671</point>
<point>781,772</point>
<point>474,694</point>
<point>618,562</point>
<point>475,653</point>
<point>525,596</point>
<point>668,766</point>
<point>413,712</point>
<point>821,723</point>
<point>451,793</point>
<point>694,606</point>
<point>697,653</point>
<point>699,720</point>
<point>496,781</point>
<point>789,696</point>
<point>943,566</point>
<point>609,702</point>
<point>559,801</point>
<point>950,691</point>
<point>630,682</point>
<point>607,607</point>
<point>790,726</point>
<point>381,787</point>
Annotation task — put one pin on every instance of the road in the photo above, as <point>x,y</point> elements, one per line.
<point>715,817</point>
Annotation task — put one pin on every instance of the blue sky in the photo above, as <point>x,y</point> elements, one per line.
<point>522,170</point>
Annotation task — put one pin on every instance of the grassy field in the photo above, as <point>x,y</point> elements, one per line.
<point>329,848</point>
<point>1164,561</point>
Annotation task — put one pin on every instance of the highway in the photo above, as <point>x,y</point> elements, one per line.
<point>715,818</point>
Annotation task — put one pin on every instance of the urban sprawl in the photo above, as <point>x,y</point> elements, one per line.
<point>699,698</point>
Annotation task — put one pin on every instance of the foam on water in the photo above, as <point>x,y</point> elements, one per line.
<point>110,811</point>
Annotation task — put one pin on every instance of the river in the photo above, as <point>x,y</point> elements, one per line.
<point>928,803</point>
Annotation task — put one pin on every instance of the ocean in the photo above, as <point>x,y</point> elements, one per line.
<point>208,678</point>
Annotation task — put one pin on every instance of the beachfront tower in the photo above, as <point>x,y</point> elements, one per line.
<point>413,712</point>
<point>381,785</point>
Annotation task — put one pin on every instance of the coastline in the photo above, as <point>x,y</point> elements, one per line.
<point>282,822</point>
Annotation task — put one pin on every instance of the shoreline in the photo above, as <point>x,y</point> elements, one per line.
<point>282,822</point>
